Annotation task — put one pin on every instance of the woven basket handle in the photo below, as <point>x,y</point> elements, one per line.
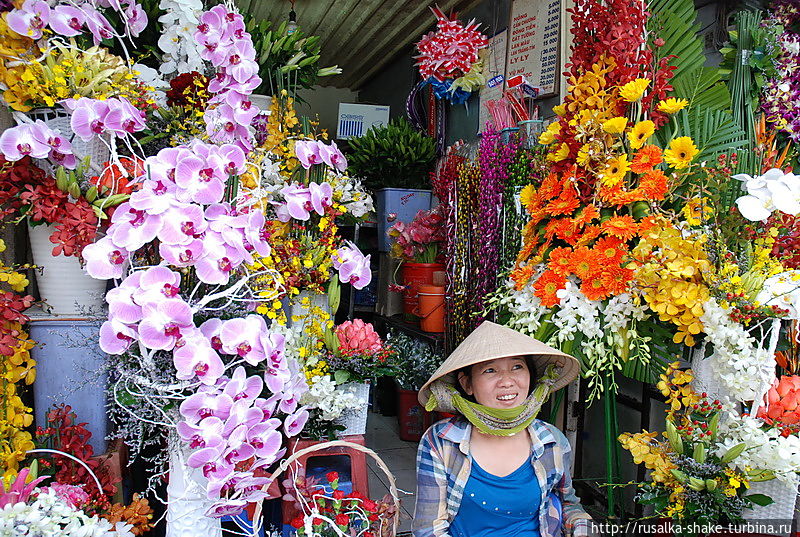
<point>325,445</point>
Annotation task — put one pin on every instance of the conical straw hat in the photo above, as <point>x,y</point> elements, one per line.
<point>491,341</point>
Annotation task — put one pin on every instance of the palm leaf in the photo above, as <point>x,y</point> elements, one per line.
<point>703,88</point>
<point>714,132</point>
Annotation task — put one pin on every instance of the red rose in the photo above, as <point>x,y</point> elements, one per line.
<point>338,495</point>
<point>342,520</point>
<point>297,522</point>
<point>332,476</point>
<point>316,521</point>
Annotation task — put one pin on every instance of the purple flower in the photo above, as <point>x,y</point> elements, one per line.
<point>238,448</point>
<point>163,323</point>
<point>243,387</point>
<point>181,255</point>
<point>121,303</point>
<point>353,266</point>
<point>265,439</point>
<point>204,403</point>
<point>210,460</point>
<point>155,196</point>
<point>104,259</point>
<point>131,228</point>
<point>207,433</point>
<point>221,258</point>
<point>88,118</point>
<point>276,371</point>
<point>308,152</point>
<point>242,337</point>
<point>321,197</point>
<point>182,224</point>
<point>67,20</point>
<point>135,19</point>
<point>226,507</point>
<point>240,61</point>
<point>23,140</point>
<point>97,24</point>
<point>294,423</point>
<point>198,181</point>
<point>155,285</point>
<point>242,414</point>
<point>31,19</point>
<point>116,336</point>
<point>332,156</point>
<point>243,109</point>
<point>122,117</point>
<point>193,357</point>
<point>297,203</point>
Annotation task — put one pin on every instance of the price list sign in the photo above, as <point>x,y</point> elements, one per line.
<point>533,43</point>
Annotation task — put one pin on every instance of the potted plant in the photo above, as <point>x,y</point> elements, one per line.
<point>417,247</point>
<point>394,160</point>
<point>415,362</point>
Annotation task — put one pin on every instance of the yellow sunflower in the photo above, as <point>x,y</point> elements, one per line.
<point>681,152</point>
<point>672,105</point>
<point>640,133</point>
<point>615,125</point>
<point>616,168</point>
<point>633,90</point>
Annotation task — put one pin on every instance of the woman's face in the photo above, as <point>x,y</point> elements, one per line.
<point>500,383</point>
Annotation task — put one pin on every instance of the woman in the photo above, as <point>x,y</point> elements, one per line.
<point>495,470</point>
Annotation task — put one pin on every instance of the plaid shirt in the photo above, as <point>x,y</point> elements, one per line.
<point>443,468</point>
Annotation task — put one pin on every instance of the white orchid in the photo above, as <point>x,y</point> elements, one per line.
<point>774,190</point>
<point>782,290</point>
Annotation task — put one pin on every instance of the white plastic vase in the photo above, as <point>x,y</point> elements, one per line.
<point>63,284</point>
<point>187,501</point>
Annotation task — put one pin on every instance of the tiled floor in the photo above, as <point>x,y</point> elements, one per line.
<point>400,458</point>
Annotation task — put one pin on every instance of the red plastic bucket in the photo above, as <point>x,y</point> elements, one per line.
<point>415,274</point>
<point>412,417</point>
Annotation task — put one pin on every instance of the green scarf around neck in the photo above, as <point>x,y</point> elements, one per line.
<point>495,421</point>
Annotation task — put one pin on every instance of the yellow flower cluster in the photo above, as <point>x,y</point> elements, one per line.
<point>16,280</point>
<point>65,72</point>
<point>676,386</point>
<point>648,451</point>
<point>672,272</point>
<point>317,370</point>
<point>281,127</point>
<point>697,211</point>
<point>15,417</point>
<point>735,481</point>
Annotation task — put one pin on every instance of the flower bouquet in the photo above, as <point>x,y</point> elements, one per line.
<point>696,478</point>
<point>420,240</point>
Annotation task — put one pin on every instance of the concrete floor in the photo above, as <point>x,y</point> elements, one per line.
<point>401,459</point>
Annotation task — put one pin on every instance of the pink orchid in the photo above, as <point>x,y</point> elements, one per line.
<point>135,19</point>
<point>182,224</point>
<point>210,460</point>
<point>297,203</point>
<point>116,337</point>
<point>198,181</point>
<point>155,196</point>
<point>294,423</point>
<point>163,323</point>
<point>307,152</point>
<point>242,387</point>
<point>240,61</point>
<point>182,255</point>
<point>97,24</point>
<point>31,19</point>
<point>205,403</point>
<point>67,20</point>
<point>207,433</point>
<point>332,156</point>
<point>23,140</point>
<point>88,118</point>
<point>132,228</point>
<point>121,304</point>
<point>220,260</point>
<point>242,337</point>
<point>242,414</point>
<point>321,197</point>
<point>104,259</point>
<point>193,357</point>
<point>265,439</point>
<point>243,109</point>
<point>238,448</point>
<point>353,266</point>
<point>156,285</point>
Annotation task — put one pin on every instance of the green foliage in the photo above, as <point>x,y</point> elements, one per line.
<point>286,61</point>
<point>395,155</point>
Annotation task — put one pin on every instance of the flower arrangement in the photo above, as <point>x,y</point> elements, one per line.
<point>414,361</point>
<point>694,476</point>
<point>448,58</point>
<point>420,240</point>
<point>329,511</point>
<point>357,353</point>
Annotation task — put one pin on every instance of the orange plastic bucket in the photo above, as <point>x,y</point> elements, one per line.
<point>431,308</point>
<point>414,275</point>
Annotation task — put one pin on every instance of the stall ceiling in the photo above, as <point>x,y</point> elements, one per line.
<point>360,36</point>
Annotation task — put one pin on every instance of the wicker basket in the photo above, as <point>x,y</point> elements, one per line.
<point>58,119</point>
<point>784,496</point>
<point>395,521</point>
<point>355,420</point>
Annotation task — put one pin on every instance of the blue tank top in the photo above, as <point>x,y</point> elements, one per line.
<point>494,506</point>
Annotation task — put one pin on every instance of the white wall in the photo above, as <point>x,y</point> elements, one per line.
<point>324,102</point>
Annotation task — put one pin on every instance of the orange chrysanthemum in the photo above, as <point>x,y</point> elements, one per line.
<point>594,288</point>
<point>546,287</point>
<point>623,227</point>
<point>654,185</point>
<point>551,229</point>
<point>616,279</point>
<point>646,159</point>
<point>611,250</point>
<point>584,263</point>
<point>560,260</point>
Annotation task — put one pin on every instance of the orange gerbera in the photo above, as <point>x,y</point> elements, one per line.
<point>551,228</point>
<point>611,250</point>
<point>551,187</point>
<point>566,231</point>
<point>586,215</point>
<point>584,262</point>
<point>654,185</point>
<point>646,159</point>
<point>616,279</point>
<point>593,288</point>
<point>560,260</point>
<point>566,203</point>
<point>589,234</point>
<point>521,275</point>
<point>623,227</point>
<point>546,287</point>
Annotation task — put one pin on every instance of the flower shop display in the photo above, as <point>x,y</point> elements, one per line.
<point>448,58</point>
<point>417,245</point>
<point>697,472</point>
